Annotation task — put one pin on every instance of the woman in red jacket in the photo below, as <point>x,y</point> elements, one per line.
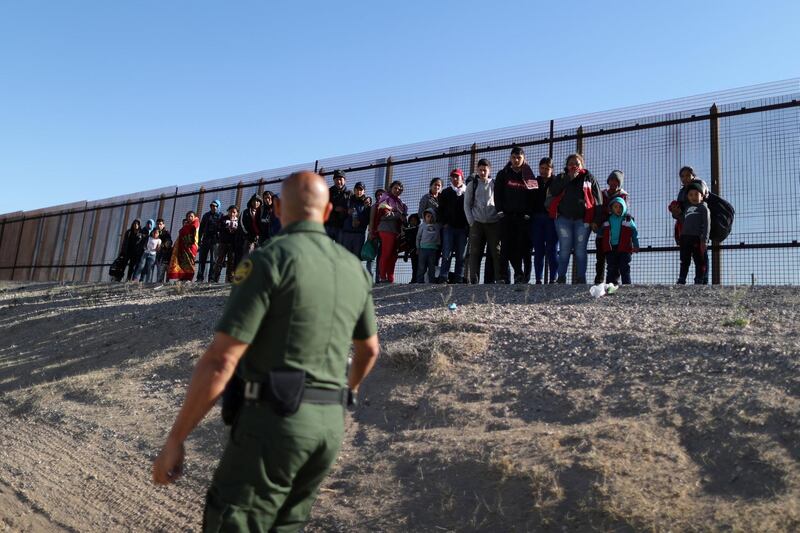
<point>391,214</point>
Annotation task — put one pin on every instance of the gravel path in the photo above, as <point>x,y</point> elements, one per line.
<point>527,408</point>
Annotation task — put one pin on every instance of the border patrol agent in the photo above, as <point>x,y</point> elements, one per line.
<point>295,307</point>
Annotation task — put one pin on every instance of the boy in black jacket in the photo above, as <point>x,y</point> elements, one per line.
<point>513,202</point>
<point>455,229</point>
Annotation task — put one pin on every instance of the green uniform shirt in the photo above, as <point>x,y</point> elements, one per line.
<point>299,302</point>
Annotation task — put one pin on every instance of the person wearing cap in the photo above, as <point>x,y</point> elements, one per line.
<point>356,223</point>
<point>455,228</point>
<point>513,200</point>
<point>209,231</point>
<point>295,308</point>
<point>340,196</point>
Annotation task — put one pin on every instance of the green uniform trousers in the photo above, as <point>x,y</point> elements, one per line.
<point>272,468</point>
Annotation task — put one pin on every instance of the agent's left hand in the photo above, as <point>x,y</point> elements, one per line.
<point>168,466</point>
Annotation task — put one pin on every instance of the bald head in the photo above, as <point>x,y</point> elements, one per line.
<point>304,196</point>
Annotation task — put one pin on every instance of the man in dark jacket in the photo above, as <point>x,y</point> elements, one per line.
<point>164,252</point>
<point>209,230</point>
<point>339,197</point>
<point>226,248</point>
<point>357,221</point>
<point>513,201</point>
<point>455,228</point>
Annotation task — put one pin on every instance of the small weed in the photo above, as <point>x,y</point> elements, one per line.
<point>738,318</point>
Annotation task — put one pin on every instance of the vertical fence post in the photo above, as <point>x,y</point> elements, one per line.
<point>16,252</point>
<point>52,256</point>
<point>260,186</point>
<point>200,199</point>
<point>65,247</point>
<point>716,250</point>
<point>578,150</point>
<point>316,166</point>
<point>38,249</point>
<point>92,242</point>
<point>160,207</point>
<point>550,146</point>
<point>473,158</point>
<point>389,172</point>
<point>124,224</point>
<point>171,227</point>
<point>80,241</point>
<point>2,232</point>
<point>239,196</point>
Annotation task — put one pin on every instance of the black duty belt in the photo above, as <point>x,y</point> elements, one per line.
<point>257,391</point>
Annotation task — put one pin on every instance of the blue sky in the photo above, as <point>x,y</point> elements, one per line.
<point>103,98</point>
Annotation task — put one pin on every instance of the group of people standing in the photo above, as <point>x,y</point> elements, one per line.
<point>215,240</point>
<point>526,224</point>
<point>507,218</point>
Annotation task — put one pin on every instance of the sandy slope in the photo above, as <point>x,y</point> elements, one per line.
<point>537,408</point>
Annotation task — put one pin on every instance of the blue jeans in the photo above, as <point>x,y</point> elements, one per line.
<point>572,234</point>
<point>144,270</point>
<point>545,245</point>
<point>454,240</point>
<point>427,263</point>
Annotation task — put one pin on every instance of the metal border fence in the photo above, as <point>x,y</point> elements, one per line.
<point>745,142</point>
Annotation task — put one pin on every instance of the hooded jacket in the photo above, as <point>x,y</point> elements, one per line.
<point>429,236</point>
<point>697,221</point>
<point>132,240</point>
<point>512,190</point>
<point>145,232</point>
<point>620,231</point>
<point>250,223</point>
<point>451,208</point>
<point>609,195</point>
<point>479,201</point>
<point>575,198</point>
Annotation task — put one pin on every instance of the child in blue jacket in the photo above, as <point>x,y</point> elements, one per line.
<point>620,240</point>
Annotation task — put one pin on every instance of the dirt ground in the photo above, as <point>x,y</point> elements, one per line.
<point>531,408</point>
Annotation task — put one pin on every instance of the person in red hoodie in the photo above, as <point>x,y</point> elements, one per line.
<point>614,190</point>
<point>575,202</point>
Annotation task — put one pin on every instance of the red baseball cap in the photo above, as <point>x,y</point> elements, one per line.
<point>457,172</point>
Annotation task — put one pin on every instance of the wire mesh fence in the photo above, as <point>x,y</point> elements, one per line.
<point>744,142</point>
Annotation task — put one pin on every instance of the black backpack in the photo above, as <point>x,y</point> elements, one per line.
<point>722,213</point>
